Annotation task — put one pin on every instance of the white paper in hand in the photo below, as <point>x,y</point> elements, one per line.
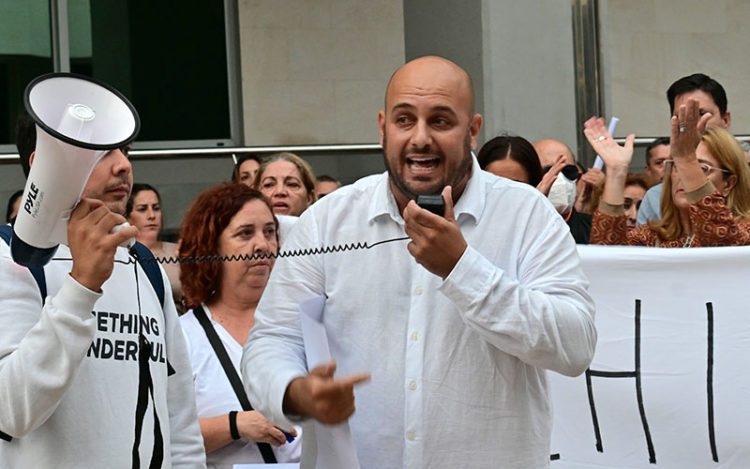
<point>334,442</point>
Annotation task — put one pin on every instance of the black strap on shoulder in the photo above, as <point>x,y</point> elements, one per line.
<point>6,233</point>
<point>265,449</point>
<point>148,263</point>
<point>146,258</point>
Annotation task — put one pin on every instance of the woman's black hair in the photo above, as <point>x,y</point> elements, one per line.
<point>517,149</point>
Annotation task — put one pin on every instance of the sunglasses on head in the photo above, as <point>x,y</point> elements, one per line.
<point>705,167</point>
<point>570,171</point>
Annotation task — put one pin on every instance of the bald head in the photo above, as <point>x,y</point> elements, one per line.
<point>428,128</point>
<point>421,72</point>
<point>549,150</point>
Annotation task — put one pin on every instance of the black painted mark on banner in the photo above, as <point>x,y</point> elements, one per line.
<point>554,457</point>
<point>638,388</point>
<point>639,392</point>
<point>710,382</point>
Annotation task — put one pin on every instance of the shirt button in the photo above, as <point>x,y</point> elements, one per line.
<point>414,336</point>
<point>411,436</point>
<point>418,290</point>
<point>413,385</point>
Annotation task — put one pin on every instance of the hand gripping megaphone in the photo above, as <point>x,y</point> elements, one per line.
<point>78,120</point>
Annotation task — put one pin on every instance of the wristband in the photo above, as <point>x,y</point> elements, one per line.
<point>233,425</point>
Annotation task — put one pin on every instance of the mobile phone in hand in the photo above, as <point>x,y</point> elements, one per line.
<point>433,203</point>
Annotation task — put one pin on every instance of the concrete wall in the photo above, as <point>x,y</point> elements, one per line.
<point>315,71</point>
<point>648,44</point>
<point>451,29</point>
<point>529,75</point>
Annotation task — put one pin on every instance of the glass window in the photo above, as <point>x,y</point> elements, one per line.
<point>168,58</point>
<point>25,52</point>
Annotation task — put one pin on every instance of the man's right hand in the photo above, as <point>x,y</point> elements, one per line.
<point>92,244</point>
<point>319,395</point>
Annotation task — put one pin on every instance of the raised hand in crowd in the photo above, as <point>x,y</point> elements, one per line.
<point>616,157</point>
<point>687,131</point>
<point>549,177</point>
<point>590,183</point>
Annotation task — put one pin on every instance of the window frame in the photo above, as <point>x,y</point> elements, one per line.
<point>61,63</point>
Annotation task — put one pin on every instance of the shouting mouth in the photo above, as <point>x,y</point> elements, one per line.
<point>422,164</point>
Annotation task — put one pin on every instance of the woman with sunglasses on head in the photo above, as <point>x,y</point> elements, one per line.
<point>706,196</point>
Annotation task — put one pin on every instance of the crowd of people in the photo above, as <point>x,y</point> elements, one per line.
<point>458,338</point>
<point>702,166</point>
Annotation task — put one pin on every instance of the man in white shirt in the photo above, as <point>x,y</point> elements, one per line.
<point>454,328</point>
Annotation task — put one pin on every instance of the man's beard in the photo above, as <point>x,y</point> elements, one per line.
<point>117,206</point>
<point>456,180</point>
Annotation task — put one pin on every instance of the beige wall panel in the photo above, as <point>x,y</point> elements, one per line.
<point>529,75</point>
<point>314,72</point>
<point>648,44</point>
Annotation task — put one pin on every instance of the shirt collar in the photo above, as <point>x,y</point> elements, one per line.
<point>472,200</point>
<point>470,204</point>
<point>383,202</point>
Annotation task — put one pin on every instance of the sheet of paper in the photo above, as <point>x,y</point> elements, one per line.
<point>314,332</point>
<point>334,442</point>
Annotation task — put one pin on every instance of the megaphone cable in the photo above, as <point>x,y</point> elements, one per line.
<point>259,255</point>
<point>270,255</point>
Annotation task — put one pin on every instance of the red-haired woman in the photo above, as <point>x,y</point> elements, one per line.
<point>228,220</point>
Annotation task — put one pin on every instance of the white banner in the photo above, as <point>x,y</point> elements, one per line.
<point>669,386</point>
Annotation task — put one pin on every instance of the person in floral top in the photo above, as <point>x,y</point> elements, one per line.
<point>706,196</point>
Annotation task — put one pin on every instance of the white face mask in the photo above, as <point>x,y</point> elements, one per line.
<point>562,194</point>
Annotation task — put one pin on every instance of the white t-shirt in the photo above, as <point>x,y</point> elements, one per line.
<point>69,370</point>
<point>214,394</point>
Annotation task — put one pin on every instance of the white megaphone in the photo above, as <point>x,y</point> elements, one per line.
<point>78,120</point>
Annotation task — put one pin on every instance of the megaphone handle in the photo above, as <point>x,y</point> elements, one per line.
<point>128,243</point>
